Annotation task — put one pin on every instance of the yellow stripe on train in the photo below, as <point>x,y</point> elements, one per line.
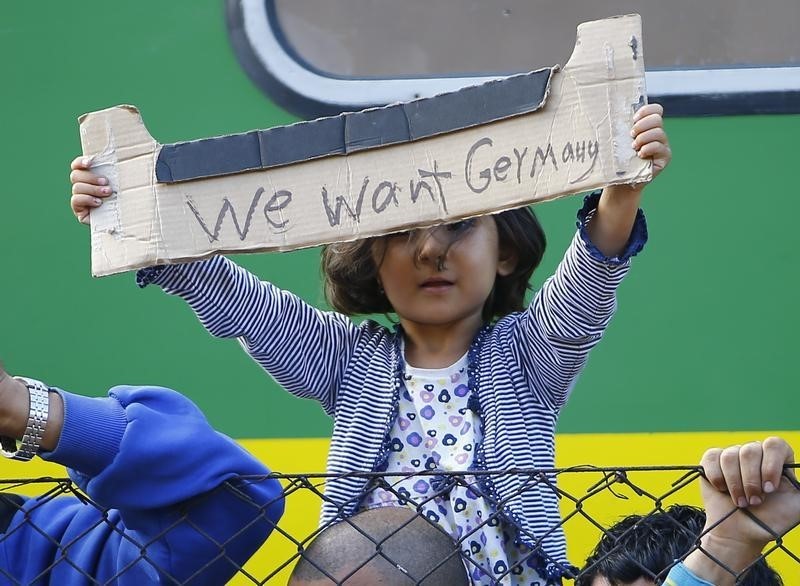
<point>604,450</point>
<point>295,456</point>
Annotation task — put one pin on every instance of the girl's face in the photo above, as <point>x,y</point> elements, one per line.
<point>443,275</point>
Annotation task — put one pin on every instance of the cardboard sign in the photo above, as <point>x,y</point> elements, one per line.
<point>483,149</point>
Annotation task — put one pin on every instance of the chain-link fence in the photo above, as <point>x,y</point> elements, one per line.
<point>593,500</point>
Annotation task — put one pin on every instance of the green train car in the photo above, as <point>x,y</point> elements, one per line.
<point>702,348</point>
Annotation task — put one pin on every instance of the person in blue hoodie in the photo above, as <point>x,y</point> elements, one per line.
<point>184,503</point>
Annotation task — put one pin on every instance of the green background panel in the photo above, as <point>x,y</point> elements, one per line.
<point>705,338</point>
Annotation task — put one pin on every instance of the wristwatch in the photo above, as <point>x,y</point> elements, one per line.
<point>39,394</point>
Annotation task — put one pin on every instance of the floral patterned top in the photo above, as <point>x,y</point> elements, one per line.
<point>435,430</point>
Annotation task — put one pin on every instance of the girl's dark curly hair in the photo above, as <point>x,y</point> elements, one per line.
<point>351,281</point>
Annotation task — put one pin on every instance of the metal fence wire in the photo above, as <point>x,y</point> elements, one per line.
<point>592,502</point>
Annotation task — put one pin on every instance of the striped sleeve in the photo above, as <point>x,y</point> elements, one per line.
<point>304,349</point>
<point>569,314</point>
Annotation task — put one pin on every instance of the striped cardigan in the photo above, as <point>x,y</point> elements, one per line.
<point>523,369</point>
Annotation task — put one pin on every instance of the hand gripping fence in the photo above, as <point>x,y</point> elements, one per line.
<point>592,501</point>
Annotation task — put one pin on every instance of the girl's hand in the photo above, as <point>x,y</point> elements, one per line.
<point>611,226</point>
<point>88,189</point>
<point>649,139</point>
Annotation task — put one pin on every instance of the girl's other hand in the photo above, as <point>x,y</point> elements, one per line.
<point>649,138</point>
<point>88,189</point>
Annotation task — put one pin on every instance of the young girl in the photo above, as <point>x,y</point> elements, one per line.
<point>469,380</point>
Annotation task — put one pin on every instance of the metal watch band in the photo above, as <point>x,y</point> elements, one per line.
<point>39,395</point>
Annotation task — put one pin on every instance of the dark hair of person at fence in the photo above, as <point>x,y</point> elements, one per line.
<point>418,552</point>
<point>350,269</point>
<point>647,546</point>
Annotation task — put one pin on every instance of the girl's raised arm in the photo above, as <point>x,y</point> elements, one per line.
<point>570,313</point>
<point>306,350</point>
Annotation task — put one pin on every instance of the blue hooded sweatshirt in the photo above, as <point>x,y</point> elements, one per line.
<point>178,507</point>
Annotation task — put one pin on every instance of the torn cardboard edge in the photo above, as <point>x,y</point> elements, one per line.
<point>483,149</point>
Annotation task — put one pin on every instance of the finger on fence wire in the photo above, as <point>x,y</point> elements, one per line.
<point>621,523</point>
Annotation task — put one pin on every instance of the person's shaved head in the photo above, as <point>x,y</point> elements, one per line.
<point>389,546</point>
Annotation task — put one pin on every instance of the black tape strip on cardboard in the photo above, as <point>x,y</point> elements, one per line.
<point>354,131</point>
